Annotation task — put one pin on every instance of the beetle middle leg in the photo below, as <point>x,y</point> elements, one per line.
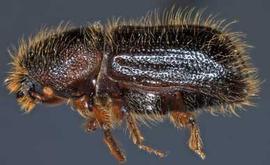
<point>186,119</point>
<point>137,137</point>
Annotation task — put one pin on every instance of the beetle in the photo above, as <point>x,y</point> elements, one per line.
<point>171,66</point>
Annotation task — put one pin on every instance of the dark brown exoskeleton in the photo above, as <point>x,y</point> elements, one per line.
<point>137,72</point>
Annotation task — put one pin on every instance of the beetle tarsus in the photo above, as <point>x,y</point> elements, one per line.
<point>113,147</point>
<point>195,141</point>
<point>186,119</point>
<point>137,137</point>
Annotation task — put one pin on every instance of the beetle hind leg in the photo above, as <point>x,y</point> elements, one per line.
<point>186,119</point>
<point>137,137</point>
<point>195,141</point>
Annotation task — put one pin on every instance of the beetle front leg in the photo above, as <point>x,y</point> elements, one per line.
<point>186,119</point>
<point>113,146</point>
<point>103,119</point>
<point>104,110</point>
<point>84,107</point>
<point>91,125</point>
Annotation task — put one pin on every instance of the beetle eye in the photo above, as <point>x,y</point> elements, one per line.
<point>19,94</point>
<point>29,88</point>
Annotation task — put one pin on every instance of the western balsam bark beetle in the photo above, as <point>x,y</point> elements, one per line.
<point>170,66</point>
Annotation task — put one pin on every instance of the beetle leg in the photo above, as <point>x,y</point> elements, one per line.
<point>84,108</point>
<point>186,119</point>
<point>102,112</point>
<point>90,125</point>
<point>112,145</point>
<point>137,137</point>
<point>195,141</point>
<point>103,119</point>
<point>117,114</point>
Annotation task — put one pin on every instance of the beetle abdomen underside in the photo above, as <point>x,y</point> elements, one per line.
<point>142,102</point>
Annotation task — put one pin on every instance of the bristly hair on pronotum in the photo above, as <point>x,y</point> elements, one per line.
<point>19,72</point>
<point>37,52</point>
<point>45,40</point>
<point>189,29</point>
